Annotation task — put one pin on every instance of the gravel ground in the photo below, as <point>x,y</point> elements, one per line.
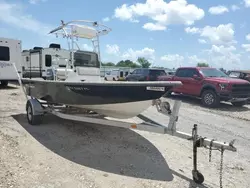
<point>62,153</point>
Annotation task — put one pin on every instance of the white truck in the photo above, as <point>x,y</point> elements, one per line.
<point>10,54</point>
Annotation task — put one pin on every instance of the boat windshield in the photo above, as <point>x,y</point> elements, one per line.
<point>86,59</point>
<point>213,73</point>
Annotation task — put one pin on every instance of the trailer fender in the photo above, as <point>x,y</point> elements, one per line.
<point>36,107</point>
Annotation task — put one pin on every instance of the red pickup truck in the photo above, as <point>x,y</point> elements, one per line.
<point>211,85</point>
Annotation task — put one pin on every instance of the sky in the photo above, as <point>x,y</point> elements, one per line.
<point>169,33</point>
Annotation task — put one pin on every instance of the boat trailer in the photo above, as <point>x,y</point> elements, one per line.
<point>37,109</point>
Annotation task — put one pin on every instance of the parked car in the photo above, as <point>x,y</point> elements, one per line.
<point>211,85</point>
<point>170,72</point>
<point>241,74</point>
<point>145,74</point>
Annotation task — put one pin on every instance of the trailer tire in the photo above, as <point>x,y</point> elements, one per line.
<point>198,177</point>
<point>30,114</point>
<point>4,83</point>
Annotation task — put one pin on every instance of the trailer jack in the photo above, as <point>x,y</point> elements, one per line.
<point>199,142</point>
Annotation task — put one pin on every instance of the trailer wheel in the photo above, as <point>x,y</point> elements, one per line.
<point>31,117</point>
<point>198,177</point>
<point>4,83</point>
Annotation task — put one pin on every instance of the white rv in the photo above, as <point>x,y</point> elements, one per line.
<point>42,62</point>
<point>38,61</point>
<point>10,53</point>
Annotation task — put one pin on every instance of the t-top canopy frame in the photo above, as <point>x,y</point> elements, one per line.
<point>84,29</point>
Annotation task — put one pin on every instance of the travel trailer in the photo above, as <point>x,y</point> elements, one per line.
<point>10,53</point>
<point>43,62</point>
<point>38,62</point>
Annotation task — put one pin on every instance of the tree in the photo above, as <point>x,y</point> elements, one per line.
<point>143,62</point>
<point>108,64</point>
<point>202,64</point>
<point>127,63</point>
<point>158,67</point>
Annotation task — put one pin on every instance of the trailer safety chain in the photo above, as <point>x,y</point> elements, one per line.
<point>221,165</point>
<point>210,150</point>
<point>221,160</point>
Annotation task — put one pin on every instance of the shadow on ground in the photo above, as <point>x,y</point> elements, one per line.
<point>109,149</point>
<point>227,107</point>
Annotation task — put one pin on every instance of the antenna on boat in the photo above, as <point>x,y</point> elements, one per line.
<point>85,29</point>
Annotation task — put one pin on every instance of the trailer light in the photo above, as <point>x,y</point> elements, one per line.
<point>134,126</point>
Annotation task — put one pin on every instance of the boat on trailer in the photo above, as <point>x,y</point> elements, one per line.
<point>114,99</point>
<point>86,94</point>
<point>82,86</point>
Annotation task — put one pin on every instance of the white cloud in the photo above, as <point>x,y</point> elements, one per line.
<point>36,1</point>
<point>131,54</point>
<point>193,60</point>
<point>222,34</point>
<point>235,7</point>
<point>15,16</point>
<point>154,27</point>
<point>124,13</point>
<point>192,30</point>
<point>222,49</point>
<point>87,47</point>
<point>163,13</point>
<point>202,41</point>
<point>224,56</point>
<point>248,37</point>
<point>247,3</point>
<point>173,59</point>
<point>246,47</point>
<point>219,35</point>
<point>112,49</point>
<point>218,10</point>
<point>106,19</point>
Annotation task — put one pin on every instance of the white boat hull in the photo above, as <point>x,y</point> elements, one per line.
<point>119,110</point>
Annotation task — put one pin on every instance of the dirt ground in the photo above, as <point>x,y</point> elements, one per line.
<point>62,153</point>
